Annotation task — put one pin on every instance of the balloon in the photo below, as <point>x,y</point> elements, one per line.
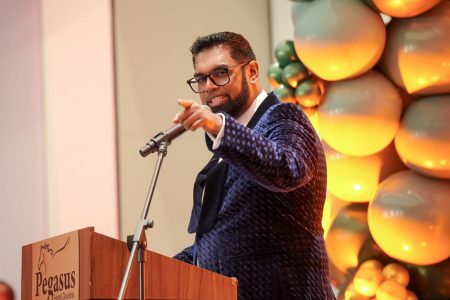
<point>331,208</point>
<point>360,116</point>
<point>297,8</point>
<point>285,93</point>
<point>311,113</point>
<point>417,54</point>
<point>356,178</point>
<point>423,139</point>
<point>351,293</point>
<point>339,39</point>
<point>397,273</point>
<point>367,280</point>
<point>391,290</point>
<point>274,75</point>
<point>410,296</point>
<point>285,53</point>
<point>430,282</point>
<point>309,92</point>
<point>338,278</point>
<point>403,8</point>
<point>346,235</point>
<point>408,218</point>
<point>293,73</point>
<point>371,264</point>
<point>407,99</point>
<point>371,251</point>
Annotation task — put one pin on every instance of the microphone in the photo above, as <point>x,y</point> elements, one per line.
<point>166,136</point>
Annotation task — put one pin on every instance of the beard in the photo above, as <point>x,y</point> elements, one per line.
<point>234,107</point>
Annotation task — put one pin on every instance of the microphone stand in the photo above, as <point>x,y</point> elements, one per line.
<point>138,240</point>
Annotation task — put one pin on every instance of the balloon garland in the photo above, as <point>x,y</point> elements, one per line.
<point>373,77</point>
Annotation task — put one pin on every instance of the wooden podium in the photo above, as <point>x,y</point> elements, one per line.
<point>96,270</point>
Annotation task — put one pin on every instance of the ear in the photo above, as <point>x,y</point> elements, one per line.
<point>253,71</point>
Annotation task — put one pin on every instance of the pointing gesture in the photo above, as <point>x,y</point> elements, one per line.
<point>195,116</point>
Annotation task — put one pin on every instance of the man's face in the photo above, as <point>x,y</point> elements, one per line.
<point>231,98</point>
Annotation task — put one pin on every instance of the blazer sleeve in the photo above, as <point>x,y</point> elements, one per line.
<point>185,255</point>
<point>280,153</point>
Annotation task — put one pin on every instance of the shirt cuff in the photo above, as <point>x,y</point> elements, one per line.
<point>217,139</point>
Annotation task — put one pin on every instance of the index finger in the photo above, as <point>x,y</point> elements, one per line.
<point>185,103</point>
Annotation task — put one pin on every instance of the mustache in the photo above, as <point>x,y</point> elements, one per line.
<point>209,97</point>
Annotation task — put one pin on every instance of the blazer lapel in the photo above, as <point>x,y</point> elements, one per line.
<point>270,100</point>
<point>208,188</point>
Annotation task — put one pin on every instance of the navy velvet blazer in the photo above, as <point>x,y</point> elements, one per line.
<point>261,223</point>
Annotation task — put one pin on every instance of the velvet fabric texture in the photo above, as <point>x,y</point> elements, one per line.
<point>260,216</point>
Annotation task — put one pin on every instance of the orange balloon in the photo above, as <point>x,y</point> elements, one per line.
<point>331,208</point>
<point>397,273</point>
<point>313,117</point>
<point>371,264</point>
<point>391,290</point>
<point>367,280</point>
<point>338,39</point>
<point>346,236</point>
<point>404,8</point>
<point>360,116</point>
<point>417,54</point>
<point>356,178</point>
<point>409,218</point>
<point>351,293</point>
<point>410,296</point>
<point>423,139</point>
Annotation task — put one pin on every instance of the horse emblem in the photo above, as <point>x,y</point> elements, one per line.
<point>47,253</point>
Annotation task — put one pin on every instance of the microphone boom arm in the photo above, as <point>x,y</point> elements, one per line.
<point>162,137</point>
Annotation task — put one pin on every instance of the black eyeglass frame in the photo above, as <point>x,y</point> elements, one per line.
<point>196,79</point>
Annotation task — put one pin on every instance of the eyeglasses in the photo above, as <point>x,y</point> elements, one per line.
<point>219,77</point>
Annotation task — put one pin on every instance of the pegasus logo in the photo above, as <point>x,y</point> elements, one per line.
<point>47,252</point>
<point>53,286</point>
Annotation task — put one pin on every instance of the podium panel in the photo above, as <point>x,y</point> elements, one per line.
<point>87,265</point>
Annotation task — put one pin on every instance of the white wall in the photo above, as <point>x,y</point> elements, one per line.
<point>80,116</point>
<point>58,169</point>
<point>22,167</point>
<point>281,27</point>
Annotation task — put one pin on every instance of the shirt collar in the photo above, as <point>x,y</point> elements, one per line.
<point>248,114</point>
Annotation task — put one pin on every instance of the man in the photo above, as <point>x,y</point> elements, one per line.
<point>258,203</point>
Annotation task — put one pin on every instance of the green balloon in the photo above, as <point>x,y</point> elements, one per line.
<point>430,282</point>
<point>285,53</point>
<point>305,88</point>
<point>309,93</point>
<point>274,75</point>
<point>293,73</point>
<point>285,93</point>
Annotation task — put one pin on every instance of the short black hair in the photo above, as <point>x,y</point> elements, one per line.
<point>240,48</point>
